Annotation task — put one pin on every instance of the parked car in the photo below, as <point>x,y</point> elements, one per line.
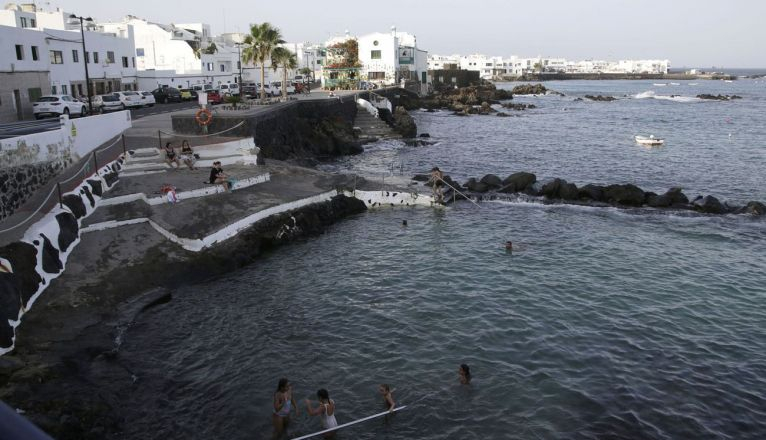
<point>147,98</point>
<point>277,86</point>
<point>106,103</point>
<point>202,87</point>
<point>166,94</point>
<point>230,89</point>
<point>214,97</point>
<point>57,105</point>
<point>129,99</point>
<point>188,94</point>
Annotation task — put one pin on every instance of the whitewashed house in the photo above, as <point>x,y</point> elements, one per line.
<point>393,58</point>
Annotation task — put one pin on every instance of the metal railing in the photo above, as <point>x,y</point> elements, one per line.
<point>197,136</point>
<point>89,168</point>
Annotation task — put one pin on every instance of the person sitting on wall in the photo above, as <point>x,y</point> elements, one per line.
<point>218,177</point>
<point>188,154</point>
<point>171,156</point>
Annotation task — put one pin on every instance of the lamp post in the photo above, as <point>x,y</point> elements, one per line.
<point>239,61</point>
<point>85,61</point>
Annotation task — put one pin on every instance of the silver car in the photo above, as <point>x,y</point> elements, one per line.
<point>107,103</point>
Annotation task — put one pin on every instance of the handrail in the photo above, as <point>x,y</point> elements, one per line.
<point>455,189</point>
<point>203,135</point>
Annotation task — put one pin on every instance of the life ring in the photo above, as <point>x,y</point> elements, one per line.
<point>208,118</point>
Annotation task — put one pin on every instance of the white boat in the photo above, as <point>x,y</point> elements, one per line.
<point>675,84</point>
<point>651,140</point>
<point>660,84</point>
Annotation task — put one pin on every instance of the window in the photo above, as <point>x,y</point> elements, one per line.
<point>375,54</point>
<point>95,57</point>
<point>133,61</point>
<point>35,54</point>
<point>79,90</point>
<point>64,89</point>
<point>423,77</point>
<point>319,62</point>
<point>376,75</point>
<point>87,57</point>
<point>110,57</point>
<point>124,61</point>
<point>223,68</point>
<point>24,22</point>
<point>57,58</point>
<point>209,67</point>
<point>34,93</point>
<point>34,22</point>
<point>19,52</point>
<point>75,56</point>
<point>53,90</point>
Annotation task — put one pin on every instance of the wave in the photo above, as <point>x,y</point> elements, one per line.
<point>676,98</point>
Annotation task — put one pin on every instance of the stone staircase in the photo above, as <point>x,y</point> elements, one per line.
<point>371,127</point>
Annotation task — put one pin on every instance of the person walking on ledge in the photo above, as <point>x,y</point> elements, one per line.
<point>325,411</point>
<point>436,181</point>
<point>388,398</point>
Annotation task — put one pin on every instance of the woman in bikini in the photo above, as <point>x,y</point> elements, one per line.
<point>325,411</point>
<point>170,156</point>
<point>283,403</point>
<point>388,398</point>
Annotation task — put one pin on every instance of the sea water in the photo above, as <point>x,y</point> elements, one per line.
<point>602,323</point>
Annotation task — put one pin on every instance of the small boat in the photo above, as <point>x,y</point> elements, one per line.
<point>675,84</point>
<point>660,84</point>
<point>651,140</point>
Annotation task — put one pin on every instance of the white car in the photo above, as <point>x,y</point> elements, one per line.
<point>57,105</point>
<point>229,89</point>
<point>107,103</point>
<point>147,99</point>
<point>129,99</point>
<point>277,87</point>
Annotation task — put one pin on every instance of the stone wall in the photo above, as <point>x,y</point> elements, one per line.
<point>17,184</point>
<point>307,129</point>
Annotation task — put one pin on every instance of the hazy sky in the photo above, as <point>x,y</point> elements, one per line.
<point>729,33</point>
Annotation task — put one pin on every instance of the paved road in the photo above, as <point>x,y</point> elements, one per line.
<point>162,108</point>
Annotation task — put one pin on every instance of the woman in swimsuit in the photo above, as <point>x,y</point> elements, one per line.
<point>283,403</point>
<point>325,411</point>
<point>170,156</point>
<point>188,154</point>
<point>465,374</point>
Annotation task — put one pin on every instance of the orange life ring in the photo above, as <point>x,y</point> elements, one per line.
<point>208,117</point>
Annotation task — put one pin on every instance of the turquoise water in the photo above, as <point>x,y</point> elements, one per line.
<point>603,323</point>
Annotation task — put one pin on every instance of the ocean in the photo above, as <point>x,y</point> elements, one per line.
<point>602,323</point>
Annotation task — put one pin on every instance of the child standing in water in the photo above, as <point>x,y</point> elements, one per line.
<point>325,411</point>
<point>283,403</point>
<point>465,374</point>
<point>388,398</point>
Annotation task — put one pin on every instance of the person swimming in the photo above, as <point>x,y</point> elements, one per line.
<point>508,246</point>
<point>388,398</point>
<point>465,374</point>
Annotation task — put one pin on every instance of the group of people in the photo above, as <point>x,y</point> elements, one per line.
<point>189,158</point>
<point>284,403</point>
<point>187,155</point>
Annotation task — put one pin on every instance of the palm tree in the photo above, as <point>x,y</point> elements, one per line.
<point>287,60</point>
<point>262,40</point>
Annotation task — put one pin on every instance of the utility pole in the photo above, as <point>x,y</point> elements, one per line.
<point>239,62</point>
<point>85,61</point>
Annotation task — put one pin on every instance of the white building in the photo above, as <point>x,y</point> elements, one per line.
<point>391,58</point>
<point>37,61</point>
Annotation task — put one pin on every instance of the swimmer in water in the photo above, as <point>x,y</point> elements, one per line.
<point>404,222</point>
<point>388,398</point>
<point>509,246</point>
<point>465,374</point>
<point>283,404</point>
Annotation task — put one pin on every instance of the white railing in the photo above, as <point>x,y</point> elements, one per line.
<point>367,106</point>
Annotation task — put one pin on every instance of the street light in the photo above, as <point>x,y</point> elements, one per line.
<point>239,61</point>
<point>85,60</point>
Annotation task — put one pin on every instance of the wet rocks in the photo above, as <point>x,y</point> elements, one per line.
<point>502,114</point>
<point>518,182</point>
<point>709,205</point>
<point>492,181</point>
<point>476,186</point>
<point>718,97</point>
<point>753,208</point>
<point>628,195</point>
<point>592,192</point>
<point>560,189</point>
<point>518,107</point>
<point>672,198</point>
<point>421,177</point>
<point>601,98</point>
<point>529,89</point>
<point>404,124</point>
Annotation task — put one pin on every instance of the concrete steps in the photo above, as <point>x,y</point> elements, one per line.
<point>372,127</point>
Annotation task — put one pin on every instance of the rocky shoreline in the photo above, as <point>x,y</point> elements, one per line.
<point>616,195</point>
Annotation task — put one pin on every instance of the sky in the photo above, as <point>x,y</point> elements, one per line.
<point>722,33</point>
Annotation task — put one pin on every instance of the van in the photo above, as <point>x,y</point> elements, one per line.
<point>229,89</point>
